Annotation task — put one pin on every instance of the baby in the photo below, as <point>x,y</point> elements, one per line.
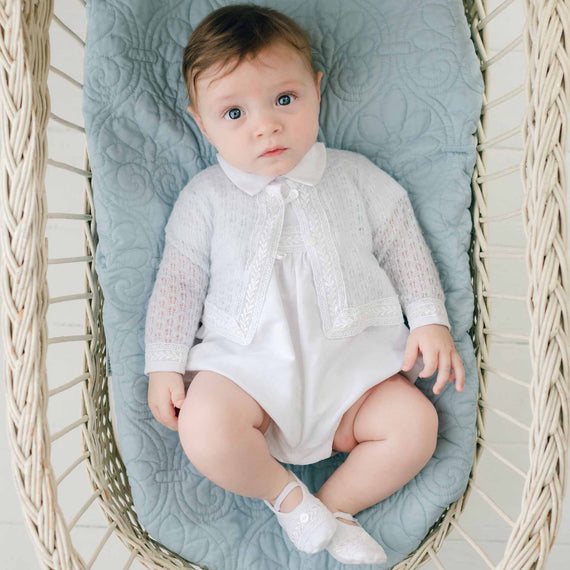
<point>298,261</point>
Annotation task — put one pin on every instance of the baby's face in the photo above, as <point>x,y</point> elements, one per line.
<point>264,115</point>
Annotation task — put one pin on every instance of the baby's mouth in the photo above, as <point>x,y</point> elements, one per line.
<point>273,151</point>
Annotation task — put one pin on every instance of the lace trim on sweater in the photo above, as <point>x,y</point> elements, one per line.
<point>262,265</point>
<point>166,352</point>
<point>324,258</point>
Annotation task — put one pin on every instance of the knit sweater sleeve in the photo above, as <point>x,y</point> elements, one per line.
<point>401,250</point>
<point>178,295</point>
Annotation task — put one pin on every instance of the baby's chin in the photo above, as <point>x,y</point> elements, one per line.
<point>269,172</point>
<point>276,173</point>
<point>278,169</point>
<point>268,167</point>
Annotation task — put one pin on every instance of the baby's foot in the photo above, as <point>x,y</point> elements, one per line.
<point>309,525</point>
<point>351,544</point>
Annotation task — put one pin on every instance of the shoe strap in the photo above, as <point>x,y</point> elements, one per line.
<point>345,516</point>
<point>282,496</point>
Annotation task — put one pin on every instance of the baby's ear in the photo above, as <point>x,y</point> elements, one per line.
<point>318,84</point>
<point>198,119</point>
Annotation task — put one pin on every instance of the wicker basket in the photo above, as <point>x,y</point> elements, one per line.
<point>524,381</point>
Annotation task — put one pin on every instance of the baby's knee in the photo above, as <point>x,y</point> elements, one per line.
<point>215,418</point>
<point>204,430</point>
<point>424,424</point>
<point>201,427</point>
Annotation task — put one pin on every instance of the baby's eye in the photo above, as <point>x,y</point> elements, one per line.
<point>286,99</point>
<point>233,114</point>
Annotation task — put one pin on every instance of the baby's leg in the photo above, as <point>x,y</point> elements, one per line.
<point>391,433</point>
<point>221,429</point>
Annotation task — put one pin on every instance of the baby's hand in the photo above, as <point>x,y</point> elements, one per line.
<point>165,392</point>
<point>438,351</point>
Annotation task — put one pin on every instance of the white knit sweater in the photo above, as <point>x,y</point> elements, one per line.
<point>367,253</point>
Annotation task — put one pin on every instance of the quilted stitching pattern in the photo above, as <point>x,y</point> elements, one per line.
<point>402,86</point>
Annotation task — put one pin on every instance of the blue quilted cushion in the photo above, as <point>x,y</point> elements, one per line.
<point>401,86</point>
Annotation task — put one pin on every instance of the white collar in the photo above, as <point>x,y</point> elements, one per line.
<point>309,171</point>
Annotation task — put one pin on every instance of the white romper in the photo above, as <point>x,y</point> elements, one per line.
<point>302,379</point>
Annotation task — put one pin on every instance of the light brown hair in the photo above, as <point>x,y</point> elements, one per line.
<point>237,32</point>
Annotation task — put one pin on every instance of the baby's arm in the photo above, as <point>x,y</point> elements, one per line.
<point>401,250</point>
<point>176,304</point>
<point>407,260</point>
<point>173,312</point>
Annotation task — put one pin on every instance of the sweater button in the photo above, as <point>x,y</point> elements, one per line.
<point>293,193</point>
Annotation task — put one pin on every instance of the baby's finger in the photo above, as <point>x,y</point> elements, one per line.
<point>430,365</point>
<point>168,417</point>
<point>459,371</point>
<point>171,424</point>
<point>155,412</point>
<point>439,386</point>
<point>410,354</point>
<point>177,396</point>
<point>444,366</point>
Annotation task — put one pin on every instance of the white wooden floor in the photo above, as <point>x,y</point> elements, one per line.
<point>16,550</point>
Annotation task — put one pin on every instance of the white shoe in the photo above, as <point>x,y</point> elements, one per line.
<point>310,525</point>
<point>353,545</point>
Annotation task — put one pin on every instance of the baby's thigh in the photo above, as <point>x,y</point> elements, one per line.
<point>213,400</point>
<point>396,409</point>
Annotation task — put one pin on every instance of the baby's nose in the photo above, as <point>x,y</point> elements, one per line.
<point>267,124</point>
